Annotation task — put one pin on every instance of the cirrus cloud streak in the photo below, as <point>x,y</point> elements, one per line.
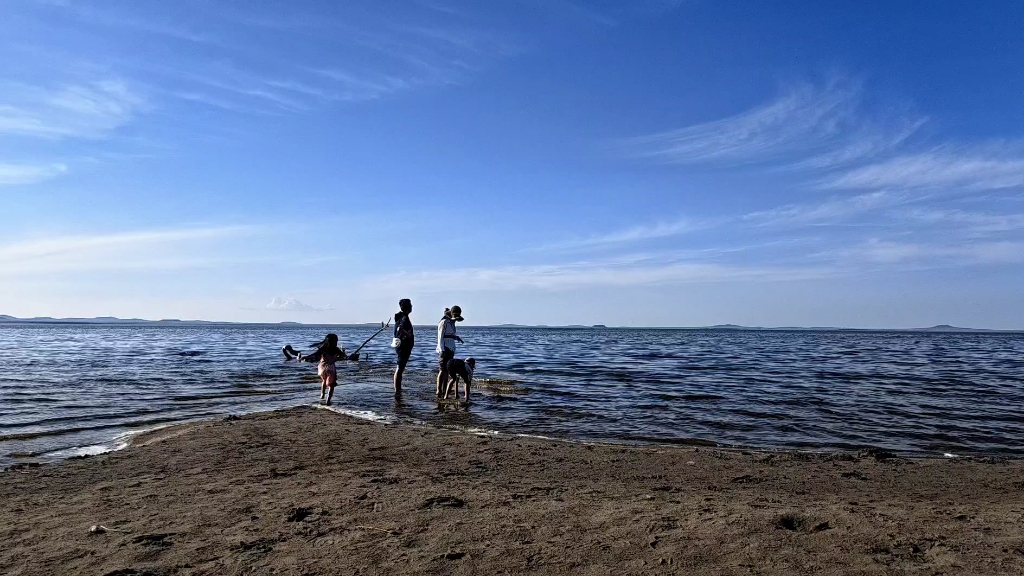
<point>153,249</point>
<point>589,274</point>
<point>15,174</point>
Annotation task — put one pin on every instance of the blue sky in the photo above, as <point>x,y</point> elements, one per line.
<point>628,163</point>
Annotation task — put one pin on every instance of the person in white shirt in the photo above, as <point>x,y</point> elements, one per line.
<point>446,339</point>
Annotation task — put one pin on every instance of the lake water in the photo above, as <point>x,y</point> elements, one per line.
<point>70,389</point>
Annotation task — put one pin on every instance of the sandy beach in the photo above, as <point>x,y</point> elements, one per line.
<point>308,491</point>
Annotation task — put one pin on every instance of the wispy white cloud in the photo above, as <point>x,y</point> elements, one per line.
<point>353,87</point>
<point>932,255</point>
<point>984,168</point>
<point>216,102</point>
<point>295,87</point>
<point>609,13</point>
<point>111,18</point>
<point>335,54</point>
<point>830,212</point>
<point>971,223</point>
<point>885,251</point>
<point>807,126</point>
<point>292,305</point>
<point>91,110</point>
<point>222,85</point>
<point>157,249</point>
<point>632,234</point>
<point>827,132</point>
<point>828,140</point>
<point>281,59</point>
<point>14,174</point>
<point>587,274</point>
<point>230,88</point>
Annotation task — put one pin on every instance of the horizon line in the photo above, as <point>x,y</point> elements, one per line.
<point>5,318</point>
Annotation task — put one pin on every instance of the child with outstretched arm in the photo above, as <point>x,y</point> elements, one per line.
<point>326,355</point>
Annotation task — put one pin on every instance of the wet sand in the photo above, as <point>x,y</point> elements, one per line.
<point>307,491</point>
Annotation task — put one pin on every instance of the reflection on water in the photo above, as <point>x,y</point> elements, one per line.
<point>68,389</point>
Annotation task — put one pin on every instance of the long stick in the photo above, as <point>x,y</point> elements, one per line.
<point>383,327</point>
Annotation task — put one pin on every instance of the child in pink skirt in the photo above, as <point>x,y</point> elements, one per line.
<point>326,355</point>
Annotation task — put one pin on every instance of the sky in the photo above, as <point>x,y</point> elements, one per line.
<point>644,163</point>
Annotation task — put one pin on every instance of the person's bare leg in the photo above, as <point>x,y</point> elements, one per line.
<point>330,394</point>
<point>441,378</point>
<point>398,379</point>
<point>323,387</point>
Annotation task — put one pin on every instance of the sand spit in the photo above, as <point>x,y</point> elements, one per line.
<point>307,491</point>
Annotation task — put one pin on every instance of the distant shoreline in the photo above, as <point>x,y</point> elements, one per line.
<point>113,321</point>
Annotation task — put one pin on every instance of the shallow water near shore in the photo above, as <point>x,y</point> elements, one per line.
<point>68,389</point>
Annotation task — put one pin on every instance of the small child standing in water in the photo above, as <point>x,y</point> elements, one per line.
<point>327,354</point>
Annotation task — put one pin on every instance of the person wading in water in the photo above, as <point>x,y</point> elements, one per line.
<point>406,339</point>
<point>327,355</point>
<point>446,339</point>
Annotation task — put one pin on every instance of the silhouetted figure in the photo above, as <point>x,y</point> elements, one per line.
<point>405,339</point>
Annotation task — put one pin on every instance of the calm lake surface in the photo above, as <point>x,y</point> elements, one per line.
<point>69,389</point>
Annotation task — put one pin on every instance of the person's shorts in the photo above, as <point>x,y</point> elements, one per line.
<point>403,352</point>
<point>444,358</point>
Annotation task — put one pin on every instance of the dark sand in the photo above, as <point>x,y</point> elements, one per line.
<point>308,491</point>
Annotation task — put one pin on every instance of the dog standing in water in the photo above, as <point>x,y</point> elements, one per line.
<point>460,370</point>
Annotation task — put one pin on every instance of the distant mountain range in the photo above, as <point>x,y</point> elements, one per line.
<point>99,320</point>
<point>725,327</point>
<point>545,326</point>
<point>5,319</point>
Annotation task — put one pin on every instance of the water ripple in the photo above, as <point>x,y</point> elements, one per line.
<point>68,386</point>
